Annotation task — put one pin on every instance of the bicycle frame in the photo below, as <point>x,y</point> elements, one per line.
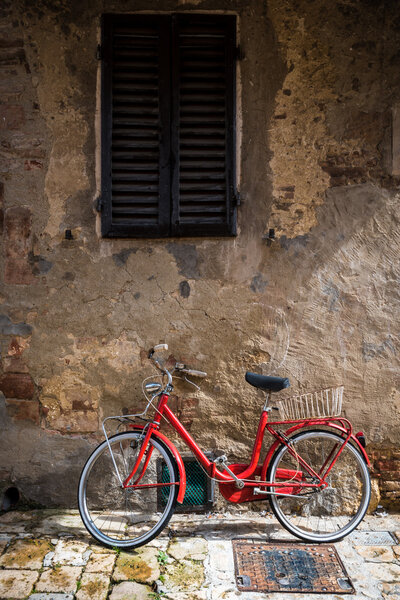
<point>235,483</point>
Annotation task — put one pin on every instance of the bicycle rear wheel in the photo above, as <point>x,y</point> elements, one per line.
<point>130,517</point>
<point>321,515</point>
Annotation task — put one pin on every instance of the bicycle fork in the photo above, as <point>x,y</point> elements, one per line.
<point>145,448</point>
<point>145,452</point>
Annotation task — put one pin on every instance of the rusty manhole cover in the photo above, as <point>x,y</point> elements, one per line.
<point>289,567</point>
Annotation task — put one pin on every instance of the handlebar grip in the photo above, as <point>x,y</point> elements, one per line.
<point>195,373</point>
<point>160,347</point>
<point>156,348</point>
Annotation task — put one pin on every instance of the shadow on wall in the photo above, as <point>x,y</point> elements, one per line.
<point>41,464</point>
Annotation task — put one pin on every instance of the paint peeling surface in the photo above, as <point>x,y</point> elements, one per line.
<point>318,302</point>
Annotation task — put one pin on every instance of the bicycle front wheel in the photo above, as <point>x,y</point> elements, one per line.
<point>128,517</point>
<point>314,514</point>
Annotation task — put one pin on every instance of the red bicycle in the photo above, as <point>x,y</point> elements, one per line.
<point>315,474</point>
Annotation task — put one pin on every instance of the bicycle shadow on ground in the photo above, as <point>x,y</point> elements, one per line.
<point>56,523</point>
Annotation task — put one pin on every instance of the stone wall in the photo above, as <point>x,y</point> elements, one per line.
<point>318,156</point>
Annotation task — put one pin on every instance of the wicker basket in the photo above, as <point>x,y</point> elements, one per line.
<point>312,405</point>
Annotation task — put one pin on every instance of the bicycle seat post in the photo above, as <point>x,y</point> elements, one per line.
<point>267,398</point>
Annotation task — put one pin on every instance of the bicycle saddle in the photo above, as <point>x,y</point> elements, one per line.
<point>266,383</point>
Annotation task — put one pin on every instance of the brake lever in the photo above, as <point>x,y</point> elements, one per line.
<point>192,383</point>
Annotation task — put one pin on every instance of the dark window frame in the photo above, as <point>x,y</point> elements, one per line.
<point>170,222</point>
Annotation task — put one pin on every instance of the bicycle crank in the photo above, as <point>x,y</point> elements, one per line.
<point>221,462</point>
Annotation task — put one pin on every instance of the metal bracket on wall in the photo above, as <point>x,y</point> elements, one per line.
<point>239,53</point>
<point>236,199</point>
<point>98,204</point>
<point>269,237</point>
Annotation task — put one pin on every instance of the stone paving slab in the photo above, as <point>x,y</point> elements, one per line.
<point>93,586</point>
<point>194,548</point>
<point>16,583</point>
<point>129,590</point>
<point>140,565</point>
<point>51,597</point>
<point>100,563</point>
<point>184,576</point>
<point>71,552</point>
<point>26,554</point>
<point>48,555</point>
<point>59,579</point>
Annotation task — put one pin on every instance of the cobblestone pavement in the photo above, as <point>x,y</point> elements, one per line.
<point>47,555</point>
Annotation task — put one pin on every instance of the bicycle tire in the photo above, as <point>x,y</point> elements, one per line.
<point>141,514</point>
<point>330,514</point>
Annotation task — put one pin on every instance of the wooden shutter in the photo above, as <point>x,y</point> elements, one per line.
<point>168,125</point>
<point>135,126</point>
<point>203,124</point>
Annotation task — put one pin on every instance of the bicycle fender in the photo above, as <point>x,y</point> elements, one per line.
<point>178,458</point>
<point>361,449</point>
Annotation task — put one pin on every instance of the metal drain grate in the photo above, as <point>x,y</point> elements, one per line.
<point>199,496</point>
<point>289,567</point>
<point>372,538</point>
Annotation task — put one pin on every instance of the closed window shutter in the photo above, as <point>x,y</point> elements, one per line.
<point>203,125</point>
<point>167,125</point>
<point>136,115</point>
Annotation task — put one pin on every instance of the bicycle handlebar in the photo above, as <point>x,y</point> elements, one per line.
<point>180,367</point>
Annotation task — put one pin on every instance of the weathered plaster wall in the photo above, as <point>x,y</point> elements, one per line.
<point>318,85</point>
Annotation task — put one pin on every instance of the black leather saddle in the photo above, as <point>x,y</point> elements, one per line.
<point>266,383</point>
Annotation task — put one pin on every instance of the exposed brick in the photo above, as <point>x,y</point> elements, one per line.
<point>12,116</point>
<point>1,206</point>
<point>392,475</point>
<point>16,347</point>
<point>18,272</point>
<point>343,171</point>
<point>366,125</point>
<point>393,495</point>
<point>391,486</point>
<point>385,465</point>
<point>23,410</point>
<point>7,40</point>
<point>12,56</point>
<point>14,364</point>
<point>11,89</point>
<point>17,228</point>
<point>186,409</point>
<point>33,165</point>
<point>17,385</point>
<point>24,145</point>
